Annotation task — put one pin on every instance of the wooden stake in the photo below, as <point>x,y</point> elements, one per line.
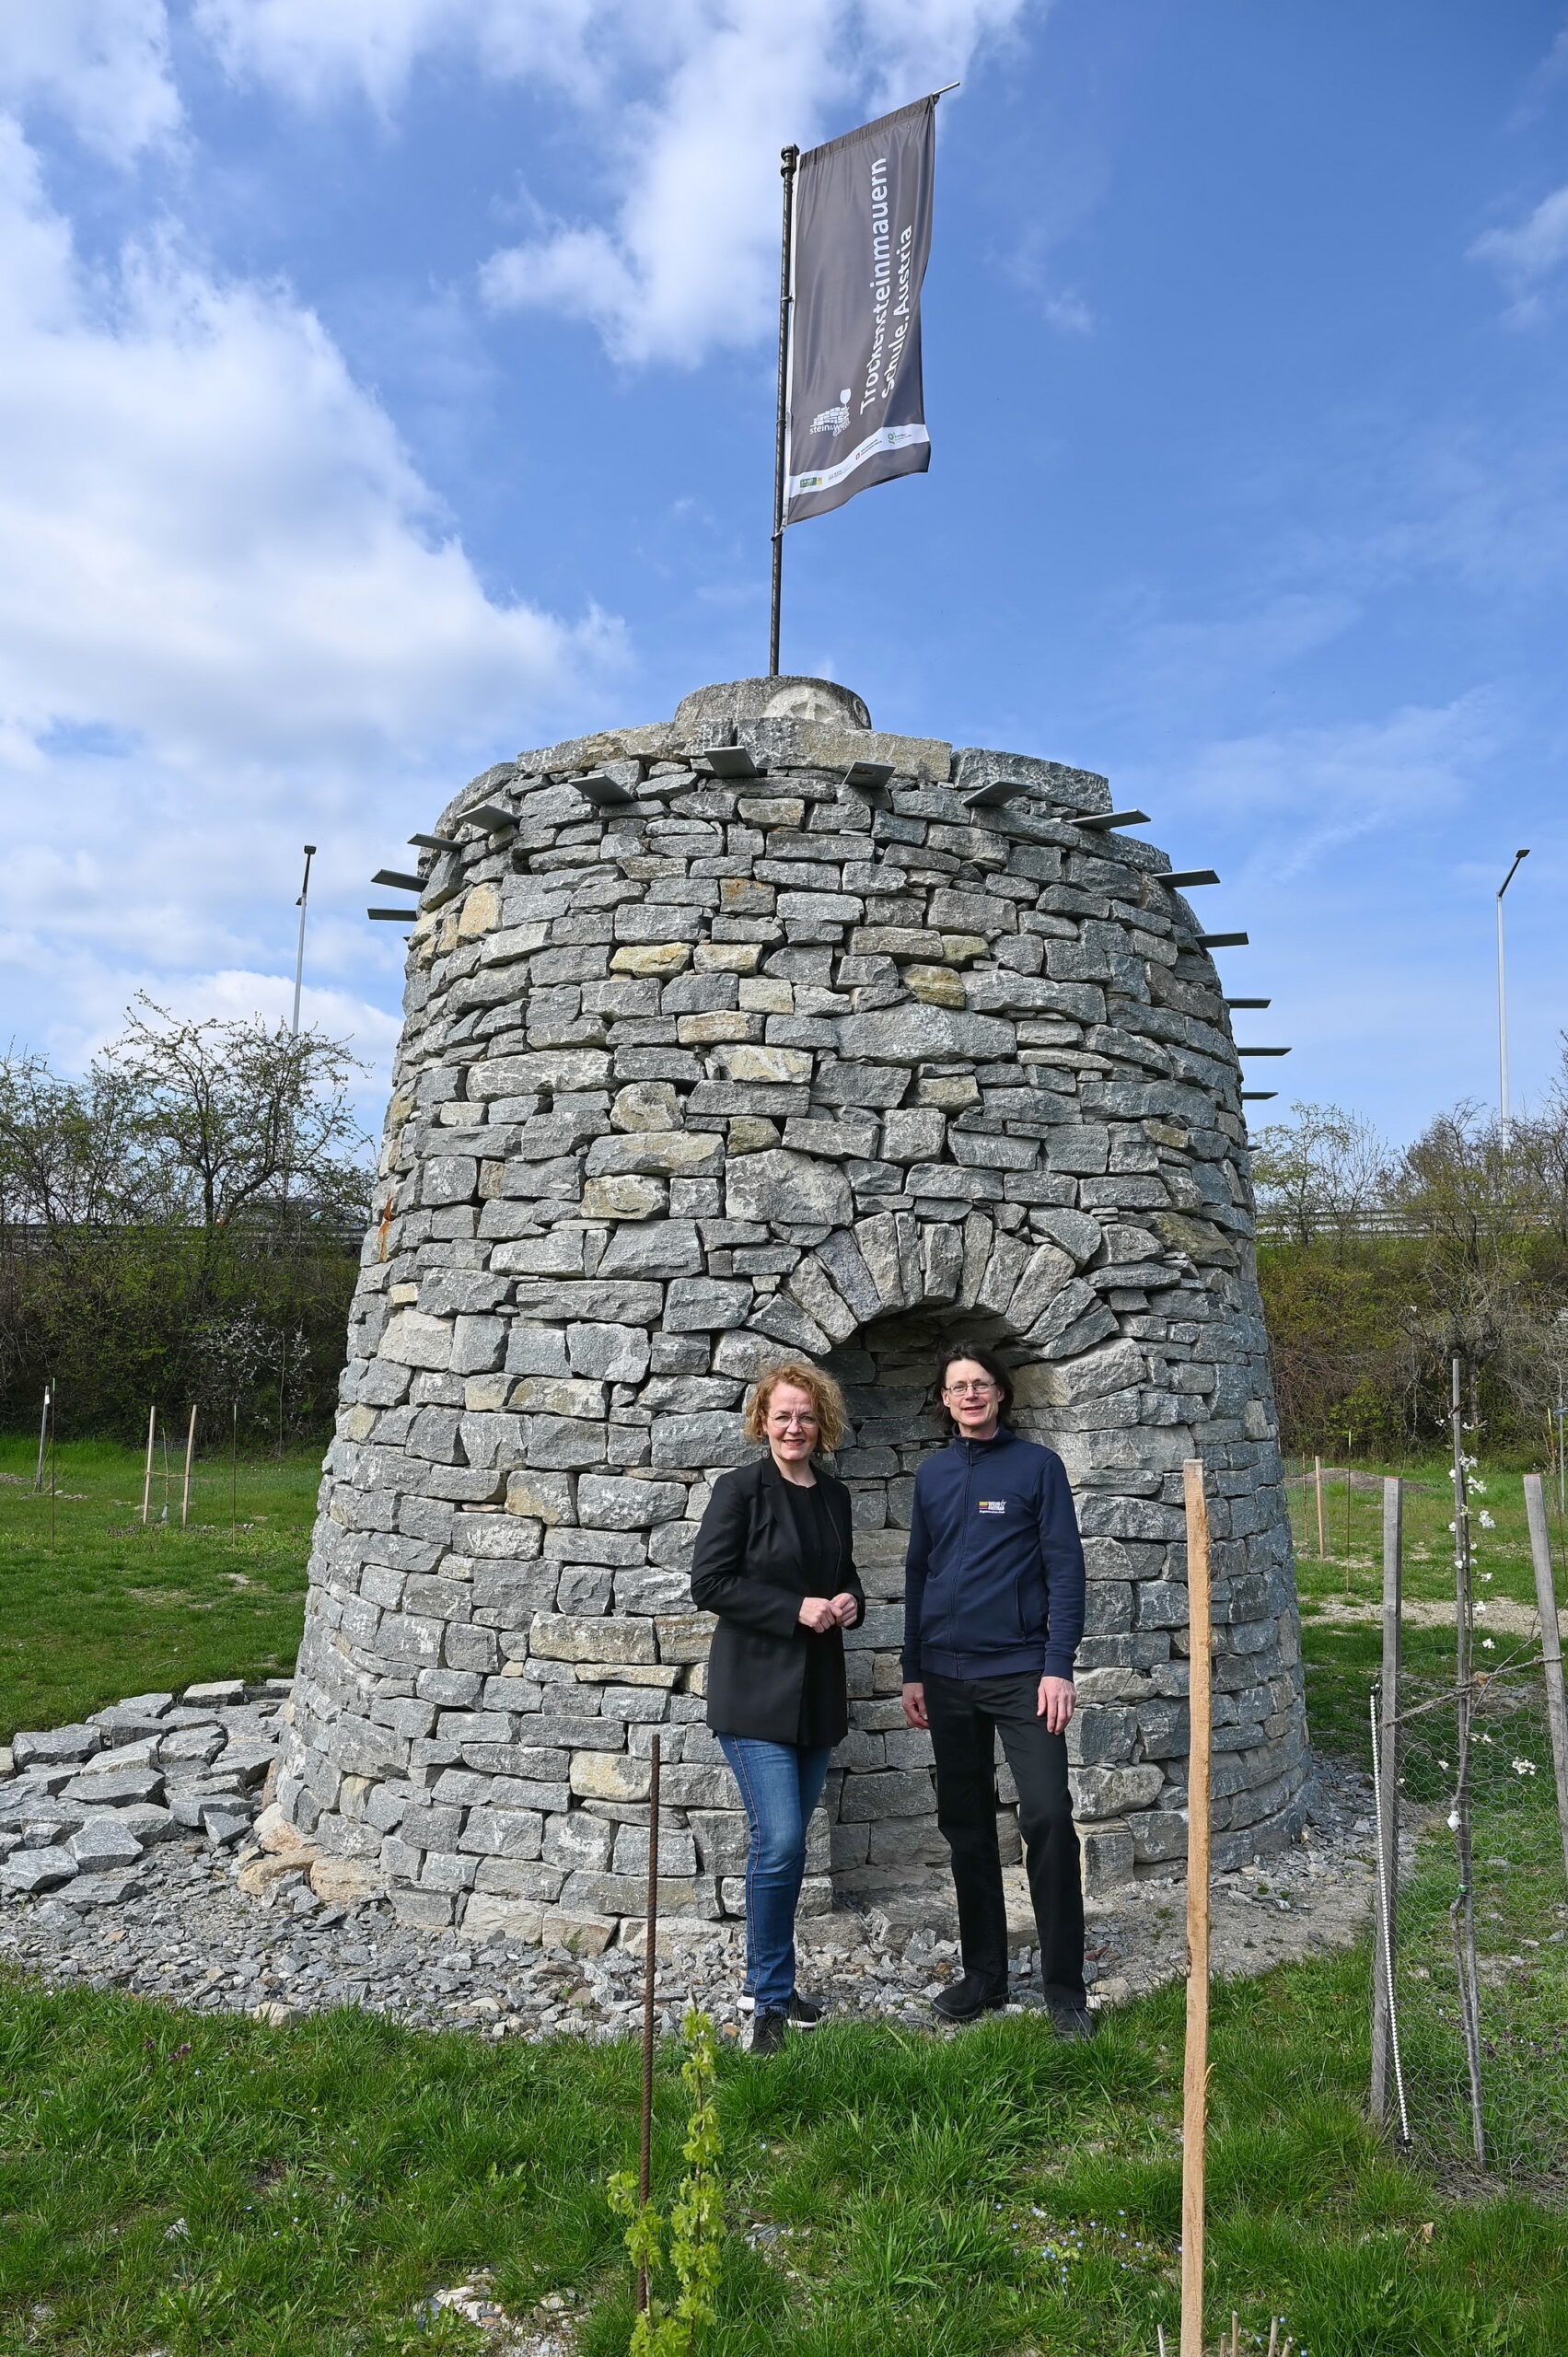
<point>1322,1535</point>
<point>53,1505</point>
<point>1195,2077</point>
<point>148,1476</point>
<point>1383,1946</point>
<point>190,1452</point>
<point>234,1468</point>
<point>1550,1647</point>
<point>649,1971</point>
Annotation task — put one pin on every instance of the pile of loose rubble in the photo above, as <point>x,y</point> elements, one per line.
<point>137,1855</point>
<point>83,1808</point>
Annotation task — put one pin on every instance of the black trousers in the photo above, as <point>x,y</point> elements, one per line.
<point>966,1715</point>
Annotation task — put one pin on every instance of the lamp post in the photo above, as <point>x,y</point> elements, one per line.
<point>1503,999</point>
<point>300,953</point>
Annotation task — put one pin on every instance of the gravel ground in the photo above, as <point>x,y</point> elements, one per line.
<point>192,1938</point>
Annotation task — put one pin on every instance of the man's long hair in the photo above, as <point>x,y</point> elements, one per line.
<point>982,1355</point>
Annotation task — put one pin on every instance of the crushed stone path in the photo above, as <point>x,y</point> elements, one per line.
<point>186,1934</point>
<point>1441,1612</point>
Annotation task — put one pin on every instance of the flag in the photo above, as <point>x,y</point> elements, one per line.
<point>862,238</point>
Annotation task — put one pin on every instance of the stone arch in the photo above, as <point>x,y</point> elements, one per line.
<point>752,1032</point>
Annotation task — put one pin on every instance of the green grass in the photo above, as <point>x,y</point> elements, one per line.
<point>95,1607</point>
<point>1352,1568</point>
<point>207,2185</point>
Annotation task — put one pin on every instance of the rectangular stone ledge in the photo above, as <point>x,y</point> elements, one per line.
<point>1100,1793</point>
<point>900,1842</point>
<point>503,1833</point>
<point>562,1637</point>
<point>613,1895</point>
<point>894,1792</point>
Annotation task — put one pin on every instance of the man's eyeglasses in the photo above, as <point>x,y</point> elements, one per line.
<point>967,1390</point>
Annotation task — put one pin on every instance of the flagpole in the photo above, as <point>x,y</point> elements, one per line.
<point>790,156</point>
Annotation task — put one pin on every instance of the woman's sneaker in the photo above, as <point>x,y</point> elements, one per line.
<point>802,2013</point>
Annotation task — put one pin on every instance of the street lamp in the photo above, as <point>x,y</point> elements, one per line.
<point>1503,999</point>
<point>300,953</point>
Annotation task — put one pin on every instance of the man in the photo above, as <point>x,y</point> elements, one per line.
<point>994,1609</point>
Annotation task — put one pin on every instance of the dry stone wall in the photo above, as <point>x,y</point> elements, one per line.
<point>700,1069</point>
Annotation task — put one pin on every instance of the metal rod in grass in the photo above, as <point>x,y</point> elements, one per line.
<point>147,1472</point>
<point>1318,1483</point>
<point>42,1436</point>
<point>1462,1912</point>
<point>1385,2012</point>
<point>190,1452</point>
<point>649,1969</point>
<point>1550,1647</point>
<point>1386,1795</point>
<point>234,1466</point>
<point>1195,2075</point>
<point>53,1511</point>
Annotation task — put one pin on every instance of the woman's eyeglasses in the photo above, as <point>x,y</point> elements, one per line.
<point>968,1390</point>
<point>788,1423</point>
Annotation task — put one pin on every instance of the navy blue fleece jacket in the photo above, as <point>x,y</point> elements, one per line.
<point>995,1574</point>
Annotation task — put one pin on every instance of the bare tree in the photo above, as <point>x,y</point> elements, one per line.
<point>72,1153</point>
<point>1319,1174</point>
<point>242,1115</point>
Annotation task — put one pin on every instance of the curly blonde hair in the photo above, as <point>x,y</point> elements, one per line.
<point>827,1402</point>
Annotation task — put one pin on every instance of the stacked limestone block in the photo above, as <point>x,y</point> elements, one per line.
<point>733,1067</point>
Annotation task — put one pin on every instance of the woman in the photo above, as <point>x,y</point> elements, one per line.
<point>774,1560</point>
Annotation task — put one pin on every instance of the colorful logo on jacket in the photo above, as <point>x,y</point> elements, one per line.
<point>993,1505</point>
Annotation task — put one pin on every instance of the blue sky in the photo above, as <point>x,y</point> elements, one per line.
<point>387,385</point>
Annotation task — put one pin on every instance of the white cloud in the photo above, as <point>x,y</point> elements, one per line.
<point>316,55</point>
<point>1304,793</point>
<point>682,256</point>
<point>1179,664</point>
<point>1532,251</point>
<point>232,617</point>
<point>102,65</point>
<point>210,536</point>
<point>688,261</point>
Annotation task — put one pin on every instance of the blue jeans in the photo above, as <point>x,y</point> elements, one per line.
<point>781,1784</point>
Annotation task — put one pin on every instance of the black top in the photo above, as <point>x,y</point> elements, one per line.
<point>754,1561</point>
<point>820,1691</point>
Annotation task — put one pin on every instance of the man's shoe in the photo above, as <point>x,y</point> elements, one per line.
<point>1071,2020</point>
<point>967,1999</point>
<point>804,2013</point>
<point>768,2033</point>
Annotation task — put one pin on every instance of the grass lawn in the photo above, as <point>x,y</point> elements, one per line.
<point>202,2185</point>
<point>105,1608</point>
<point>1352,1571</point>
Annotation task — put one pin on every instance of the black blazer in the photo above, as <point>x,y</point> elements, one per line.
<point>747,1569</point>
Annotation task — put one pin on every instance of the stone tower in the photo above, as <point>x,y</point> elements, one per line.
<point>749,1034</point>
